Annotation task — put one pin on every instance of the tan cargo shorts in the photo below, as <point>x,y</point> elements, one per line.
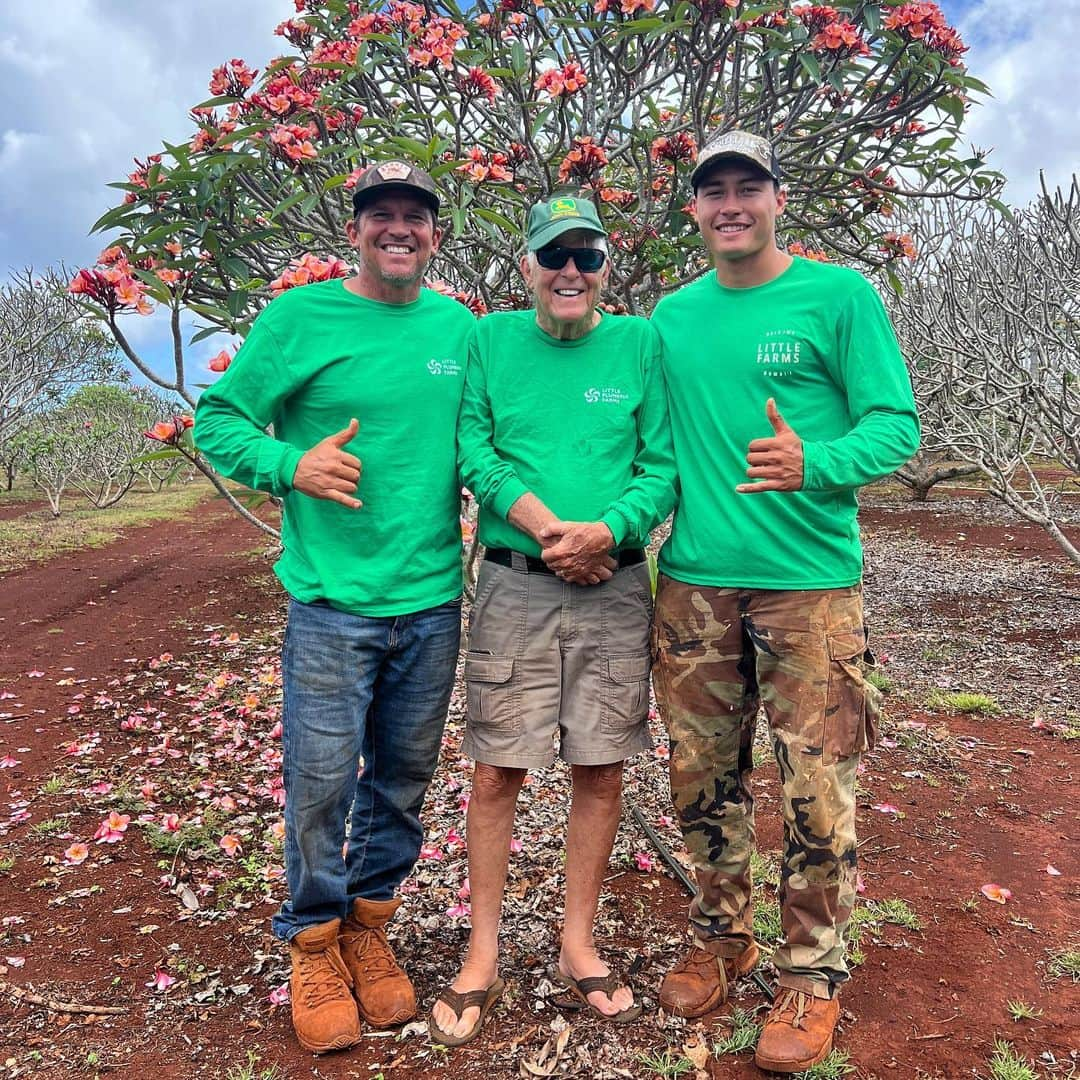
<point>545,656</point>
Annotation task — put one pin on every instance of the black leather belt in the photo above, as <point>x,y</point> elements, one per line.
<point>533,565</point>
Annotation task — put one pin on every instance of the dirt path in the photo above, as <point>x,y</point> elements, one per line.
<point>141,679</point>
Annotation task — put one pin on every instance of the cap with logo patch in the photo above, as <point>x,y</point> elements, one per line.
<point>738,146</point>
<point>548,220</point>
<point>387,176</point>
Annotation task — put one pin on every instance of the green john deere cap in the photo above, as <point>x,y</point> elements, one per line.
<point>548,220</point>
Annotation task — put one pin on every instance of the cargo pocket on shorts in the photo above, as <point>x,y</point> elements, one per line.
<point>846,728</point>
<point>491,692</point>
<point>625,689</point>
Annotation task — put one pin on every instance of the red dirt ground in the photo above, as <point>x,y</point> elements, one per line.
<point>987,802</point>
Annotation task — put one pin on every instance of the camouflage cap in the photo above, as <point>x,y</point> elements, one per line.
<point>386,176</point>
<point>738,145</point>
<point>548,220</point>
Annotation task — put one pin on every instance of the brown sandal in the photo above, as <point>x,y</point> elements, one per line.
<point>578,991</point>
<point>459,1002</point>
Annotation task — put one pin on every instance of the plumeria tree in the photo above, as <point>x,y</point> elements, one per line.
<point>49,345</point>
<point>504,102</point>
<point>90,442</point>
<point>989,318</point>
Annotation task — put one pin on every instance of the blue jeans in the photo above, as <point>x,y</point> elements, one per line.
<point>358,687</point>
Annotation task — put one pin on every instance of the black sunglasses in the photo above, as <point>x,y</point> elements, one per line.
<point>587,260</point>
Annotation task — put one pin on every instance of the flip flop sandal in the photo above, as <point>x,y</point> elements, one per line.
<point>471,999</point>
<point>578,990</point>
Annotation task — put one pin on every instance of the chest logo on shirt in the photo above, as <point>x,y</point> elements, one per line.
<point>605,395</point>
<point>779,352</point>
<point>444,367</point>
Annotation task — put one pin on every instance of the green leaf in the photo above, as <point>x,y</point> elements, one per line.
<point>894,281</point>
<point>872,18</point>
<point>156,455</point>
<point>1005,211</point>
<point>809,63</point>
<point>205,332</point>
<point>287,204</point>
<point>113,218</point>
<point>237,302</point>
<point>517,58</point>
<point>496,218</point>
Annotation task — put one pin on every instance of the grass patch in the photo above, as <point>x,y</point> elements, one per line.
<point>742,1037</point>
<point>1064,964</point>
<point>1071,730</point>
<point>1023,1010</point>
<point>668,1064</point>
<point>764,869</point>
<point>48,827</point>
<point>250,1070</point>
<point>53,786</point>
<point>877,677</point>
<point>835,1065</point>
<point>963,702</point>
<point>768,929</point>
<point>7,862</point>
<point>38,536</point>
<point>1007,1064</point>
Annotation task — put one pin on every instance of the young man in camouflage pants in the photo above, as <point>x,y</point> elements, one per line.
<point>759,599</point>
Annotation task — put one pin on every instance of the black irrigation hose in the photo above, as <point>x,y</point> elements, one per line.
<point>684,879</point>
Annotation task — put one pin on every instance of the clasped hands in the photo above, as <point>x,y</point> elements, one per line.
<point>578,551</point>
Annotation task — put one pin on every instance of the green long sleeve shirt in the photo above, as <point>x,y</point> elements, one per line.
<point>317,356</point>
<point>580,424</point>
<point>817,339</point>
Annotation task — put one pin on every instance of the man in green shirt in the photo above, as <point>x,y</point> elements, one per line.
<point>563,438</point>
<point>787,392</point>
<point>367,368</point>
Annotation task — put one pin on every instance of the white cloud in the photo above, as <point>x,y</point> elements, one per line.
<point>1029,63</point>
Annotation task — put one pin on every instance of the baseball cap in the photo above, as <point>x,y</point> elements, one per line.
<point>548,220</point>
<point>395,176</point>
<point>740,145</point>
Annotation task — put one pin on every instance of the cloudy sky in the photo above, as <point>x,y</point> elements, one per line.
<point>90,84</point>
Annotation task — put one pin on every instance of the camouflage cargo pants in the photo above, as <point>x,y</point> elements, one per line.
<point>719,654</point>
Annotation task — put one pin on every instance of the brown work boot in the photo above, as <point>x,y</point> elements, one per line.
<point>382,989</point>
<point>798,1032</point>
<point>698,983</point>
<point>323,1011</point>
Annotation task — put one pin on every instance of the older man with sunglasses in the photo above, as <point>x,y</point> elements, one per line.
<point>563,437</point>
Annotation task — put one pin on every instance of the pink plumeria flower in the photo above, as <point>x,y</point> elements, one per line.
<point>230,844</point>
<point>15,961</point>
<point>76,854</point>
<point>102,787</point>
<point>277,830</point>
<point>516,845</point>
<point>644,861</point>
<point>162,980</point>
<point>465,891</point>
<point>665,821</point>
<point>280,995</point>
<point>663,751</point>
<point>459,911</point>
<point>1053,871</point>
<point>112,829</point>
<point>998,893</point>
<point>8,762</point>
<point>170,822</point>
<point>35,674</point>
<point>430,851</point>
<point>885,808</point>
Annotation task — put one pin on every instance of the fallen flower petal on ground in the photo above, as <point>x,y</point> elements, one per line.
<point>162,980</point>
<point>998,893</point>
